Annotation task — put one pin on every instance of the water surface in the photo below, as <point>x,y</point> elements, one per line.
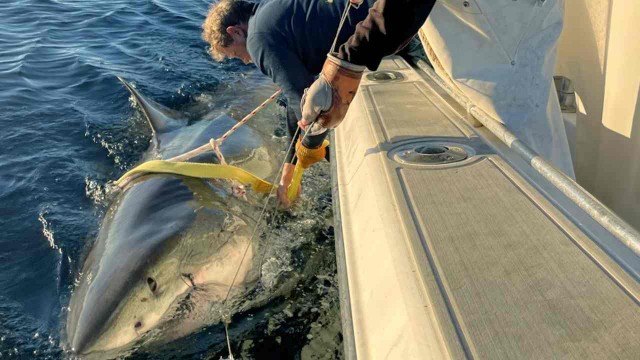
<point>68,127</point>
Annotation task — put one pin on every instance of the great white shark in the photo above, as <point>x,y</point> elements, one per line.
<point>169,246</point>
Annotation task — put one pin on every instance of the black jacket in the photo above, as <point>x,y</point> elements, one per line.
<point>389,26</point>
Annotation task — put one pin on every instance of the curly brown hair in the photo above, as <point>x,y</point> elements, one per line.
<point>221,15</point>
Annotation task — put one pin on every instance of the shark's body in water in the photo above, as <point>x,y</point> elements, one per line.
<point>169,246</point>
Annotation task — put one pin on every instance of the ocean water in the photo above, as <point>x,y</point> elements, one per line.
<point>67,127</point>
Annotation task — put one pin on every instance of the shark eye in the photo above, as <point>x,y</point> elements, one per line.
<point>153,285</point>
<point>137,325</point>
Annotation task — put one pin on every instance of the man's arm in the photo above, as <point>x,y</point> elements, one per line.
<point>389,26</point>
<point>272,56</point>
<point>286,69</point>
<point>274,59</point>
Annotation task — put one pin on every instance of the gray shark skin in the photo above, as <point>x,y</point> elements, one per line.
<point>169,246</point>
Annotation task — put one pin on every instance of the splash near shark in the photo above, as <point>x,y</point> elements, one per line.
<point>171,248</point>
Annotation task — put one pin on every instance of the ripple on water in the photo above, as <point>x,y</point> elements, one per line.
<point>22,337</point>
<point>47,231</point>
<point>97,191</point>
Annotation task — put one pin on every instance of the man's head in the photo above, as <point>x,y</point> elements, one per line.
<point>225,29</point>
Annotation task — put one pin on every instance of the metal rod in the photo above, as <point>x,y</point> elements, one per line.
<point>624,232</point>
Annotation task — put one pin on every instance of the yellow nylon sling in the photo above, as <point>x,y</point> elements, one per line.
<point>199,170</point>
<point>227,172</point>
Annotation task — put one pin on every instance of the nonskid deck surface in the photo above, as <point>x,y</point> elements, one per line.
<point>466,259</point>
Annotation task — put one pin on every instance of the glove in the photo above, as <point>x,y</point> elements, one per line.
<point>307,156</point>
<point>329,97</point>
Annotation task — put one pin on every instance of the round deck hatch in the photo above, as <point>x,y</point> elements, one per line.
<point>385,76</point>
<point>431,153</point>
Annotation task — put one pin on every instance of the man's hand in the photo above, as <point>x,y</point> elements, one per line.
<point>328,98</point>
<point>283,187</point>
<point>317,99</point>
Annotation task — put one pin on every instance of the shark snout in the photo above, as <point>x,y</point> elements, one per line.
<point>84,331</point>
<point>89,316</point>
<point>80,342</point>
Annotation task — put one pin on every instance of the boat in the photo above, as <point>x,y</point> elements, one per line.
<point>456,239</point>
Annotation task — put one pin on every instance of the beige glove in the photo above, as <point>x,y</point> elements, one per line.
<point>329,97</point>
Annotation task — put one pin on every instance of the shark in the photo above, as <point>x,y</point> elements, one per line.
<point>170,249</point>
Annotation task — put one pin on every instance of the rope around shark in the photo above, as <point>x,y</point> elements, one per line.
<point>178,165</point>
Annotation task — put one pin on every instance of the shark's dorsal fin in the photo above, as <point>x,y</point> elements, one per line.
<point>161,119</point>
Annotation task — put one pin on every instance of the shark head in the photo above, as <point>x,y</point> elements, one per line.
<point>165,241</point>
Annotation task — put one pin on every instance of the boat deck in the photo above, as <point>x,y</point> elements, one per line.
<point>477,258</point>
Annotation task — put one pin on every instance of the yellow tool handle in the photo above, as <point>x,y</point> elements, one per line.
<point>294,187</point>
<point>306,158</point>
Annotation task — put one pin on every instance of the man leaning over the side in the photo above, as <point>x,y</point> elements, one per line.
<point>290,41</point>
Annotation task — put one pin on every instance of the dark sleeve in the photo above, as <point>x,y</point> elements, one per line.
<point>389,26</point>
<point>276,60</point>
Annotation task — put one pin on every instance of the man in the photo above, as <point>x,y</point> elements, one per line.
<point>289,40</point>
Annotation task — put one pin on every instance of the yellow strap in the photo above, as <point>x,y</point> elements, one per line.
<point>197,170</point>
<point>296,180</point>
<point>306,158</point>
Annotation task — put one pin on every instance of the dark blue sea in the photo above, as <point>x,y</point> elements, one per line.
<point>68,127</point>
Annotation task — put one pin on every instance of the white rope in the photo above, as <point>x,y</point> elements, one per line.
<point>255,229</point>
<point>237,189</point>
<point>226,332</point>
<point>216,143</point>
<point>345,13</point>
<point>216,149</point>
